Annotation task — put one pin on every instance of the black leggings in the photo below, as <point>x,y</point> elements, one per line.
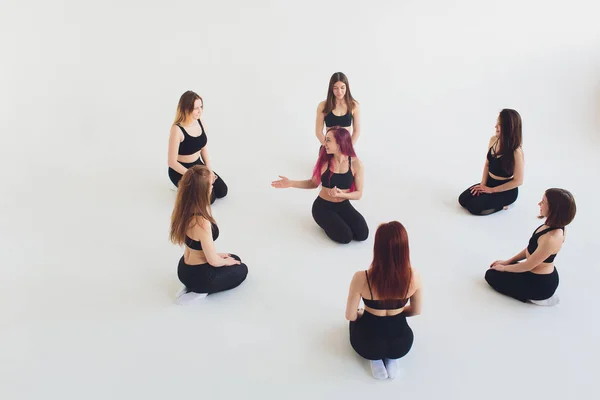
<point>376,338</point>
<point>340,221</point>
<point>204,278</point>
<point>219,187</point>
<point>523,286</point>
<point>488,203</point>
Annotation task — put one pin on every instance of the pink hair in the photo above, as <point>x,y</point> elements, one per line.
<point>344,141</point>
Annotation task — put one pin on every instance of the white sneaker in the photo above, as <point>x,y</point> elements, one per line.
<point>184,297</point>
<point>552,301</point>
<point>378,369</point>
<point>392,367</point>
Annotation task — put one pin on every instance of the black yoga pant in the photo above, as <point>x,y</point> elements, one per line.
<point>376,338</point>
<point>340,221</point>
<point>219,187</point>
<point>204,278</point>
<point>488,203</point>
<point>523,286</point>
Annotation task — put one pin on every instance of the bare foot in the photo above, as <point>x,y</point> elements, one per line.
<point>505,208</point>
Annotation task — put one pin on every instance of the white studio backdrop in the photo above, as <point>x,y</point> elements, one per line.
<point>87,274</point>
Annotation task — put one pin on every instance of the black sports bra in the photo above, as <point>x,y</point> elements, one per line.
<point>495,164</point>
<point>390,304</point>
<point>192,144</point>
<point>333,120</point>
<point>195,244</point>
<point>533,241</point>
<point>341,181</point>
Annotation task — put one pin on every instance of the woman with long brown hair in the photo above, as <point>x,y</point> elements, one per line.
<point>503,169</point>
<point>340,174</point>
<point>201,269</point>
<point>339,109</point>
<point>188,142</point>
<point>379,332</point>
<point>535,280</point>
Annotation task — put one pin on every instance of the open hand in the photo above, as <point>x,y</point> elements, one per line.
<point>282,183</point>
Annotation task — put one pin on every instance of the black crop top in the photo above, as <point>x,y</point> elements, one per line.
<point>391,304</point>
<point>341,181</point>
<point>333,120</point>
<point>195,244</point>
<point>495,164</point>
<point>192,144</point>
<point>533,241</point>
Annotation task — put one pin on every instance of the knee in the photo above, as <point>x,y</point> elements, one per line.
<point>236,257</point>
<point>220,189</point>
<point>489,276</point>
<point>362,235</point>
<point>342,237</point>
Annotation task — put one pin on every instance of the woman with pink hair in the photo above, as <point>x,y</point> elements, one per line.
<point>340,174</point>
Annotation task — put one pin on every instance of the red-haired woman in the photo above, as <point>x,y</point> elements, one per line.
<point>341,175</point>
<point>380,332</point>
<point>187,142</point>
<point>339,109</point>
<point>535,280</point>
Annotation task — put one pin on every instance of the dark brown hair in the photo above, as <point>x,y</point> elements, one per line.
<point>192,202</point>
<point>390,274</point>
<point>348,99</point>
<point>511,137</point>
<point>186,106</point>
<point>561,207</point>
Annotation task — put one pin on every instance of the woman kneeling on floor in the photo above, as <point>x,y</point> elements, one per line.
<point>380,332</point>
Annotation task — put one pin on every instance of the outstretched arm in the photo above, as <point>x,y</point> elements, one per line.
<point>285,183</point>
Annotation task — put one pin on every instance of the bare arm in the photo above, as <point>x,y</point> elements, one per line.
<point>174,141</point>
<point>353,298</point>
<point>416,300</point>
<point>203,230</point>
<point>359,175</point>
<point>517,176</point>
<point>285,183</point>
<point>516,258</point>
<point>547,245</point>
<point>355,124</point>
<point>320,123</point>
<point>204,151</point>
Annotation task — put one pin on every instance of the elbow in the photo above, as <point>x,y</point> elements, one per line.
<point>351,318</point>
<point>358,195</point>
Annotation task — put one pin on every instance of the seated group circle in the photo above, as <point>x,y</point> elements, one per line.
<point>390,288</point>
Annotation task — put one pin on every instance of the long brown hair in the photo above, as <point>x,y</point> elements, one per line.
<point>330,102</point>
<point>193,201</point>
<point>561,207</point>
<point>390,274</point>
<point>510,138</point>
<point>186,106</point>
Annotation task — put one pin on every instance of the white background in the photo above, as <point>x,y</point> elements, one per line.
<point>87,274</point>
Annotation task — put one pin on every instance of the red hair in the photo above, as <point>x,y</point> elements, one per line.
<point>390,274</point>
<point>344,141</point>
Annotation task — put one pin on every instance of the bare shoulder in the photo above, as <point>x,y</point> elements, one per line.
<point>357,165</point>
<point>492,141</point>
<point>416,280</point>
<point>519,152</point>
<point>321,106</point>
<point>355,105</point>
<point>359,277</point>
<point>175,131</point>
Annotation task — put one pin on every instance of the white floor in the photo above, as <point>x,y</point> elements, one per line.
<point>87,274</point>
